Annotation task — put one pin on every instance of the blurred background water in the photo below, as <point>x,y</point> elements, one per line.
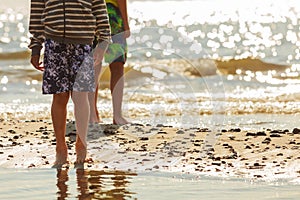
<point>187,60</point>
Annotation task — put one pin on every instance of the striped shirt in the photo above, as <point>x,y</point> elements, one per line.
<point>67,21</point>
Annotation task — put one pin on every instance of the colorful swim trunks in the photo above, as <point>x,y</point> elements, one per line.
<point>68,67</point>
<point>116,51</point>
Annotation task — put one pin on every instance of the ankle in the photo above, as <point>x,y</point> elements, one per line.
<point>80,145</point>
<point>61,147</point>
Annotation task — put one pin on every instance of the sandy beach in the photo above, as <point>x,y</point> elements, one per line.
<point>265,154</point>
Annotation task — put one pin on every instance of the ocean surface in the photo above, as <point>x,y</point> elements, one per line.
<point>187,60</point>
<point>80,184</point>
<point>208,63</point>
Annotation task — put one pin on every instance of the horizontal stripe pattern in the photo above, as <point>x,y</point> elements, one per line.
<point>70,21</point>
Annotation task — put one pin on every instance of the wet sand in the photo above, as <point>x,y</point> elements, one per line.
<point>264,154</point>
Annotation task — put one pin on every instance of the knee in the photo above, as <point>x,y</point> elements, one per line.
<point>61,98</point>
<point>80,98</point>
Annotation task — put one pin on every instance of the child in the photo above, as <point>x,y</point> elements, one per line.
<point>116,57</point>
<point>67,29</point>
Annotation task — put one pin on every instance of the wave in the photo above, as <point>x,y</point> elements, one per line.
<point>205,67</point>
<point>231,66</point>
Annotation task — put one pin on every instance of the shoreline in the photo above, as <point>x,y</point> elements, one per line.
<point>264,154</point>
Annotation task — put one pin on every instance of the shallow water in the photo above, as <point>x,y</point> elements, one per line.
<point>80,184</point>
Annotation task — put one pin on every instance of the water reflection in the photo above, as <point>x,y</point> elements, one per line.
<point>94,184</point>
<point>62,178</point>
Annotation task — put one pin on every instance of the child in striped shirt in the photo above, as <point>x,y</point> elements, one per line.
<point>66,29</point>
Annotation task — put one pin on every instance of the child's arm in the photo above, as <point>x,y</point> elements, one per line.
<point>37,30</point>
<point>103,28</point>
<point>123,9</point>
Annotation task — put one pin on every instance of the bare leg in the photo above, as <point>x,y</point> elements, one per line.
<point>116,88</point>
<point>81,111</point>
<point>93,97</point>
<point>98,57</point>
<point>59,117</point>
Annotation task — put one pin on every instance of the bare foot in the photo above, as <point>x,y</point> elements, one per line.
<point>94,118</point>
<point>80,165</point>
<point>120,121</point>
<point>61,158</point>
<point>80,153</point>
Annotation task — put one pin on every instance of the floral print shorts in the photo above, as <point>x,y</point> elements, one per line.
<point>68,67</point>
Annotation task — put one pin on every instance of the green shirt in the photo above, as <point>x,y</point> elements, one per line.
<point>114,2</point>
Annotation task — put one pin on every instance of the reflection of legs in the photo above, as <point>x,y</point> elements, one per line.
<point>62,178</point>
<point>81,111</point>
<point>119,182</point>
<point>93,97</point>
<point>116,88</point>
<point>59,117</point>
<point>83,185</point>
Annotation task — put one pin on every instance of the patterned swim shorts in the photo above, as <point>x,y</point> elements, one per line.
<point>117,50</point>
<point>68,67</point>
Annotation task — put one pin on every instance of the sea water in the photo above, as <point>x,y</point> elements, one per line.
<point>79,184</point>
<point>186,58</point>
<point>214,64</point>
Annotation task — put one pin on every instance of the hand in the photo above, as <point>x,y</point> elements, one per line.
<point>127,32</point>
<point>35,62</point>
